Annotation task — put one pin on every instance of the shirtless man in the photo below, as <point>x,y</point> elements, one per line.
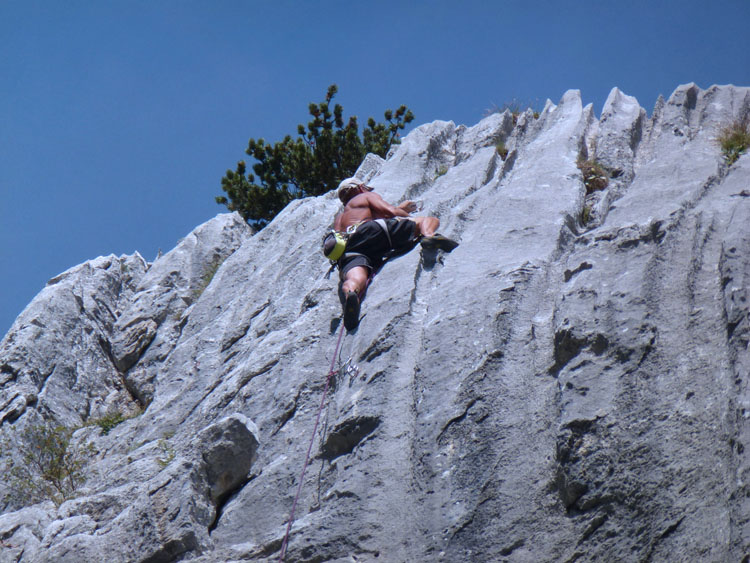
<point>367,248</point>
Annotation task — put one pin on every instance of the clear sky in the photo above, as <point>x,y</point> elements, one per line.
<point>119,118</point>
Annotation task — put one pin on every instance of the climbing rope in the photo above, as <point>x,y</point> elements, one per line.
<point>331,372</point>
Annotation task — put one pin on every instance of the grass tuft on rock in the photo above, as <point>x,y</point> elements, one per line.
<point>112,419</point>
<point>501,149</point>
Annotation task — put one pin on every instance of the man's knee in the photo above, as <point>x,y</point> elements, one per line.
<point>355,279</point>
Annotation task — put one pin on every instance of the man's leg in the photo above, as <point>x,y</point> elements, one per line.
<point>355,280</point>
<point>426,227</point>
<point>352,289</point>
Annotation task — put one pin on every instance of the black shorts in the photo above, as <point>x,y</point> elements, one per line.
<point>369,245</point>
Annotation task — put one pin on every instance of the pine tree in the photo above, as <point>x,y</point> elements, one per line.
<point>325,152</point>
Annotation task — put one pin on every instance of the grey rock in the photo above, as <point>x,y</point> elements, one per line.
<point>59,529</point>
<point>228,449</point>
<point>157,505</point>
<point>149,327</point>
<point>555,389</point>
<point>369,168</point>
<point>57,355</point>
<point>21,532</point>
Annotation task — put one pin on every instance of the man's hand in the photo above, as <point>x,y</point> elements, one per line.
<point>408,206</point>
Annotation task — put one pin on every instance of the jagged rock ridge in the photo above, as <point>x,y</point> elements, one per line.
<point>569,384</point>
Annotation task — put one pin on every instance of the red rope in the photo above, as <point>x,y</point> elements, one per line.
<point>309,448</point>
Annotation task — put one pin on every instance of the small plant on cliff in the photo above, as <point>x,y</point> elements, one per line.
<point>109,421</point>
<point>586,215</point>
<point>516,107</point>
<point>168,452</point>
<point>208,276</point>
<point>328,150</point>
<point>734,140</point>
<point>41,463</point>
<point>595,176</point>
<point>112,419</point>
<point>501,149</point>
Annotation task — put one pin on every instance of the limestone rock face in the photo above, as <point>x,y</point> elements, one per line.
<point>149,327</point>
<point>570,383</point>
<point>57,357</point>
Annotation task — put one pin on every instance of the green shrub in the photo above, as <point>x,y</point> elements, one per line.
<point>40,463</point>
<point>734,139</point>
<point>328,150</point>
<point>595,176</point>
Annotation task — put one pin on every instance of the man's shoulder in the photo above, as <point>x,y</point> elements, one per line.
<point>372,196</point>
<point>360,199</point>
<point>357,203</point>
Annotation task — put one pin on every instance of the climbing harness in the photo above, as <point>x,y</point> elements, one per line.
<point>331,372</point>
<point>384,226</point>
<point>334,242</point>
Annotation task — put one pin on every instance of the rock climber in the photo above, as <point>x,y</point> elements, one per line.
<point>377,231</point>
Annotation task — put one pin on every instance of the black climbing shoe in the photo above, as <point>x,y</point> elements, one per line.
<point>351,311</point>
<point>439,242</point>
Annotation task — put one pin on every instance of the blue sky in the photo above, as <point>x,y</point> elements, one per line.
<point>119,118</point>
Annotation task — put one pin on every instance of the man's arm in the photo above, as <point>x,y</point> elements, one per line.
<point>408,206</point>
<point>381,209</point>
